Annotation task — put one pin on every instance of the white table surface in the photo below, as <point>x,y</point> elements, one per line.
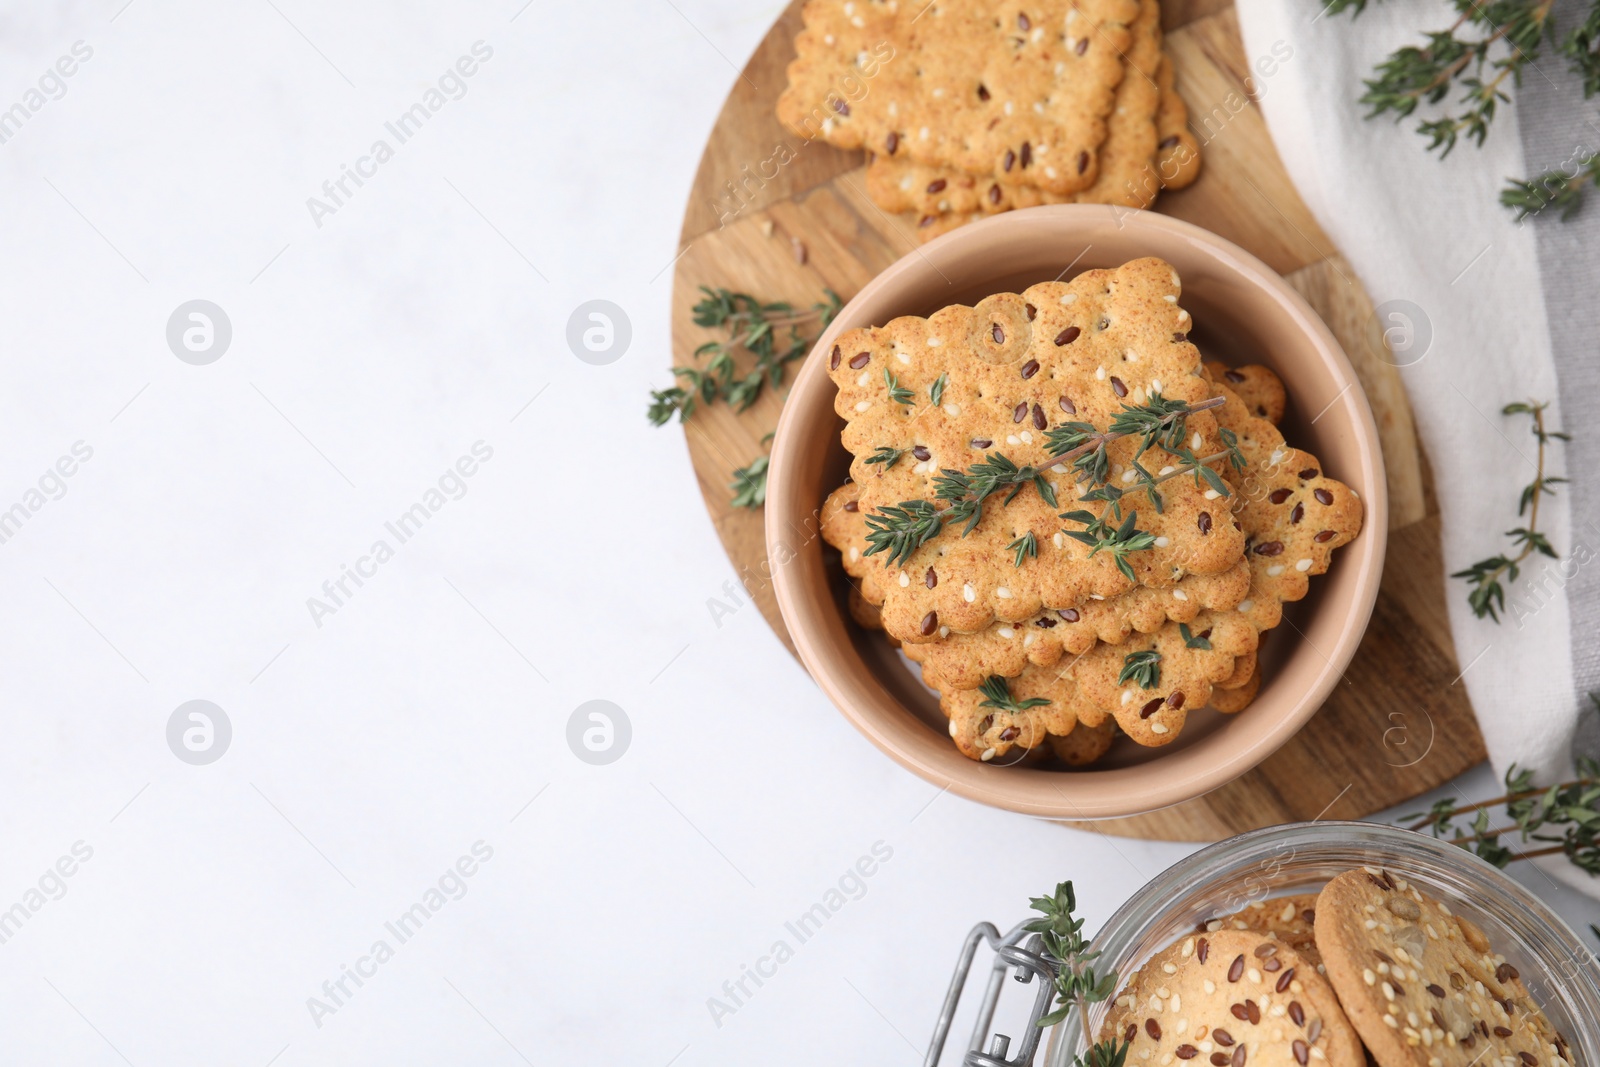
<point>429,712</point>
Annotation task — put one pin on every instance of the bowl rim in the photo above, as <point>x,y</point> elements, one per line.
<point>1035,792</point>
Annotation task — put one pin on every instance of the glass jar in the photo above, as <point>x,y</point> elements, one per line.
<point>1560,970</point>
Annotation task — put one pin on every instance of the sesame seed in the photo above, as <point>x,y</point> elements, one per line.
<point>1158,728</point>
<point>988,754</point>
<point>952,410</point>
<point>863,405</point>
<point>904,580</point>
<point>1303,565</point>
<point>1163,542</point>
<point>1212,494</point>
<point>968,593</point>
<point>1007,632</point>
<point>1246,605</point>
<point>1003,593</point>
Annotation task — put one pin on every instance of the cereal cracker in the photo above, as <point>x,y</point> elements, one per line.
<point>1006,371</point>
<point>1423,985</point>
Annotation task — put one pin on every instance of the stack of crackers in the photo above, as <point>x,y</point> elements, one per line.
<point>969,108</point>
<point>1035,639</point>
<point>1369,966</point>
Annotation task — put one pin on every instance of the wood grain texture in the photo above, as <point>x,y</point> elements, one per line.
<point>1399,723</point>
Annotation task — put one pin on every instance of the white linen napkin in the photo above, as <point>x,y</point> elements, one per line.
<point>1486,311</point>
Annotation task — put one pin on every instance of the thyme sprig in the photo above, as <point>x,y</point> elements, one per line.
<point>1560,188</point>
<point>898,393</point>
<point>997,694</point>
<point>1190,640</point>
<point>1490,42</point>
<point>1157,421</point>
<point>901,529</point>
<point>749,484</point>
<point>1487,597</point>
<point>906,527</point>
<point>1026,547</point>
<point>1103,536</point>
<point>1141,667</point>
<point>1484,53</point>
<point>887,456</point>
<point>1076,983</point>
<point>1563,819</point>
<point>749,326</point>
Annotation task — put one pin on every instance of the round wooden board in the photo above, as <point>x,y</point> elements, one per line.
<point>781,218</point>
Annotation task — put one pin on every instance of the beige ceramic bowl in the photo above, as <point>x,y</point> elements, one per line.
<point>1243,313</point>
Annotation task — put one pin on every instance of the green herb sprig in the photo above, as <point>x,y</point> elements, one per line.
<point>750,326</point>
<point>898,393</point>
<point>749,484</point>
<point>1103,536</point>
<point>1026,547</point>
<point>1487,597</point>
<point>902,529</point>
<point>1076,983</point>
<point>1144,668</point>
<point>1484,53</point>
<point>887,456</point>
<point>997,694</point>
<point>1562,189</point>
<point>1563,819</point>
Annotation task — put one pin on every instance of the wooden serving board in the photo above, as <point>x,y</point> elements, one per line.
<point>780,218</point>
